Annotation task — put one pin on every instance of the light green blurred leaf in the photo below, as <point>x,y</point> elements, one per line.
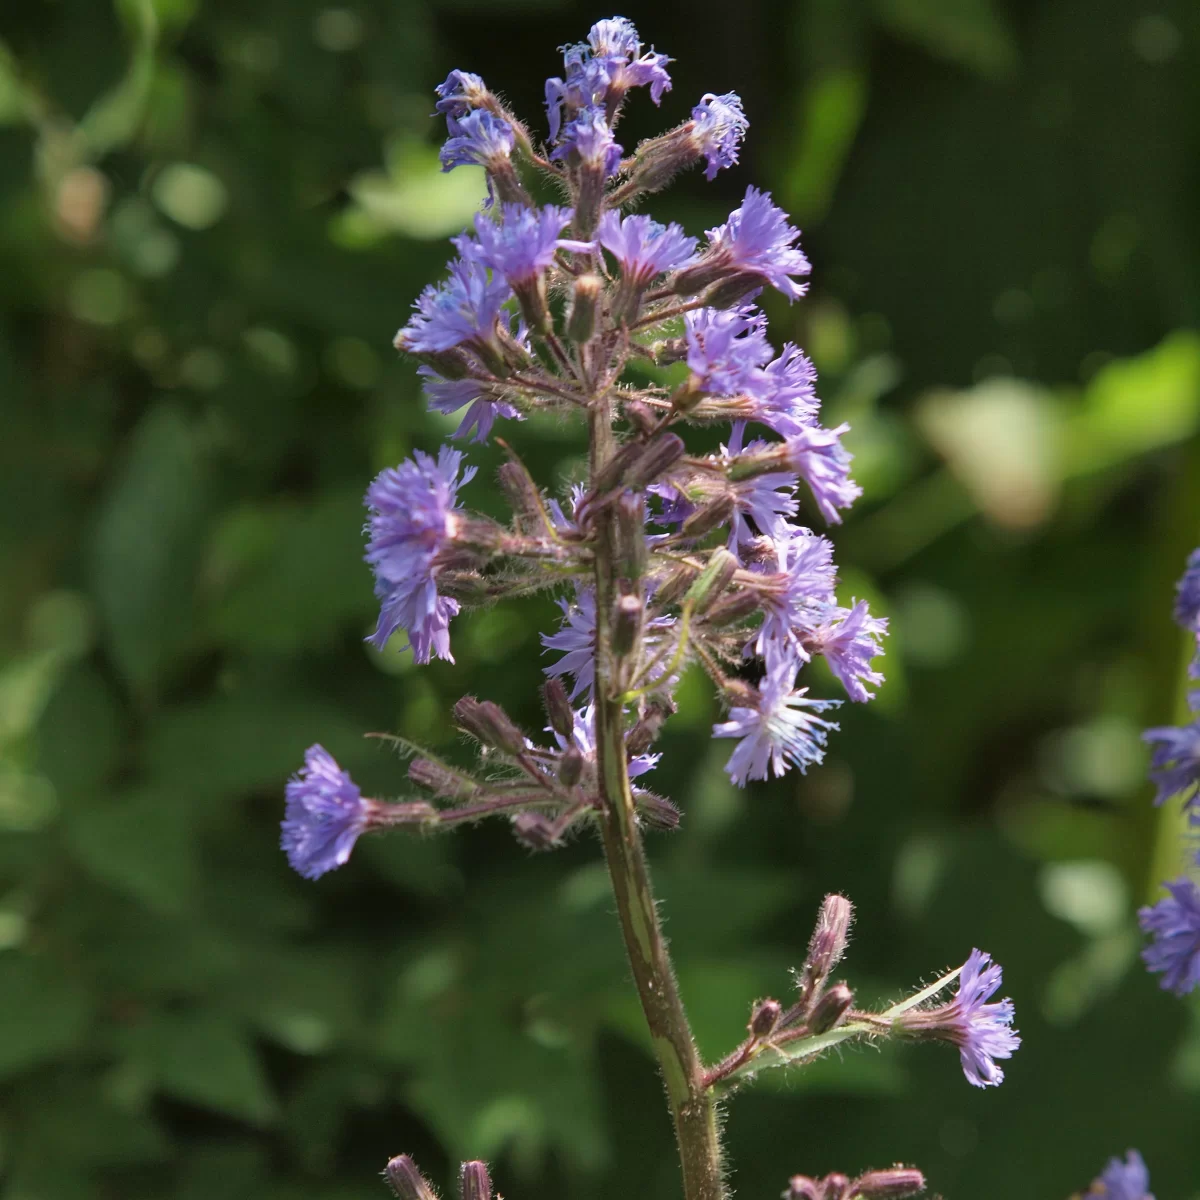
<point>972,33</point>
<point>413,196</point>
<point>1135,405</point>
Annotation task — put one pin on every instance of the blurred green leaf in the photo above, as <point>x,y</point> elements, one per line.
<point>144,553</point>
<point>43,1012</point>
<point>142,843</point>
<point>973,33</point>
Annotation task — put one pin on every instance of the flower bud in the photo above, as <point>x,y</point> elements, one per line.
<point>645,730</point>
<point>521,492</point>
<point>709,516</point>
<point>670,350</point>
<point>439,780</point>
<point>627,623</point>
<point>656,812</point>
<point>892,1184</point>
<point>732,608</point>
<point>570,766</point>
<point>581,324</point>
<point>658,160</point>
<point>631,537</point>
<point>641,416</point>
<point>713,580</point>
<point>802,1187</point>
<point>830,1011</point>
<point>534,830</point>
<point>837,1187</point>
<point>764,1017</point>
<point>558,707</point>
<point>474,1182</point>
<point>827,944</point>
<point>531,296</point>
<point>659,457</point>
<point>675,585</point>
<point>489,724</point>
<point>406,1181</point>
<point>449,364</point>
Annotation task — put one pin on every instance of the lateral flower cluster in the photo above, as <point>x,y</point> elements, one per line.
<point>1174,922</point>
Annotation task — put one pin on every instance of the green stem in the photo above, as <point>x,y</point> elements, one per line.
<point>692,1104</point>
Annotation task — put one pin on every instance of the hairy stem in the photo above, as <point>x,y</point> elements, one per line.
<point>691,1101</point>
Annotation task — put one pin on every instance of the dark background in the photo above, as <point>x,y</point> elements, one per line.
<point>213,218</point>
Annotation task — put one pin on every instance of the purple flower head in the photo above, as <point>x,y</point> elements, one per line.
<point>479,139</point>
<point>1187,595</point>
<point>324,816</point>
<point>818,455</point>
<point>726,347</point>
<point>784,393</point>
<point>982,1032</point>
<point>1175,761</point>
<point>447,396</point>
<point>779,730</point>
<point>720,126</point>
<point>766,498</point>
<point>797,588</point>
<point>463,309</point>
<point>643,247</point>
<point>1174,924</point>
<point>413,516</point>
<point>459,94</point>
<point>601,70</point>
<point>521,245</point>
<point>590,136</point>
<point>583,738</point>
<point>757,240</point>
<point>849,640</point>
<point>1128,1180</point>
<point>577,641</point>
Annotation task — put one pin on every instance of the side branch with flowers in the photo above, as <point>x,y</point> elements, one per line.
<point>665,560</point>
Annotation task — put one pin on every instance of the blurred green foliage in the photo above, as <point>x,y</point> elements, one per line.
<point>213,216</point>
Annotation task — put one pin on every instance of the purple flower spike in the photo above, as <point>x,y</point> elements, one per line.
<point>726,348</point>
<point>522,244</point>
<point>449,396</point>
<point>757,240</point>
<point>849,641</point>
<point>1187,595</point>
<point>413,517</point>
<point>591,138</point>
<point>460,93</point>
<point>643,247</point>
<point>1175,761</point>
<point>479,139</point>
<point>1174,924</point>
<point>720,126</point>
<point>324,817</point>
<point>982,1032</point>
<point>818,455</point>
<point>463,309</point>
<point>1128,1180</point>
<point>779,730</point>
